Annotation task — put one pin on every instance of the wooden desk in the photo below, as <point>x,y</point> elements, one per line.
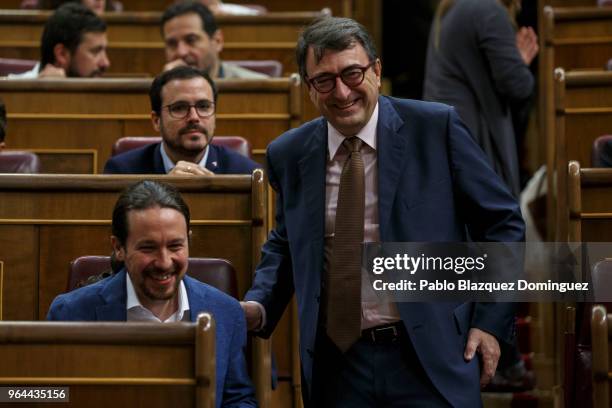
<point>142,26</point>
<point>590,204</point>
<point>48,220</point>
<point>118,362</point>
<point>338,7</point>
<point>57,218</point>
<point>60,115</point>
<point>148,58</point>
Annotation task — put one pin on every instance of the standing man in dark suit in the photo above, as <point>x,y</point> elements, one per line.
<point>414,174</point>
<point>183,102</point>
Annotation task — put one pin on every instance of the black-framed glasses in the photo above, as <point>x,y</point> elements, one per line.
<point>351,76</point>
<point>180,110</point>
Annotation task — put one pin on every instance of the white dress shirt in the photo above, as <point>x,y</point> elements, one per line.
<point>136,312</point>
<point>372,314</point>
<point>169,164</point>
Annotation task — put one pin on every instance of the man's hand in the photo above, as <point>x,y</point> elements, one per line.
<point>173,64</point>
<point>488,347</point>
<point>185,168</point>
<point>51,71</point>
<point>527,44</point>
<point>252,314</point>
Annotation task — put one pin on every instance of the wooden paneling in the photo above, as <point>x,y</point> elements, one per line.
<point>48,220</point>
<point>19,248</point>
<point>93,114</point>
<point>23,25</point>
<point>77,355</point>
<point>338,7</point>
<point>1,286</point>
<point>141,58</point>
<point>136,47</point>
<point>590,204</point>
<point>569,3</point>
<point>583,107</point>
<point>573,38</point>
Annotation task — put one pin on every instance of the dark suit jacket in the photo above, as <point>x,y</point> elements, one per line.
<point>434,185</point>
<point>148,160</point>
<point>106,301</point>
<point>477,69</point>
<point>603,157</point>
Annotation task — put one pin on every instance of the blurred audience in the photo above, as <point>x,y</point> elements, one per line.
<point>479,63</point>
<point>219,7</point>
<point>97,6</point>
<point>192,38</point>
<point>73,44</point>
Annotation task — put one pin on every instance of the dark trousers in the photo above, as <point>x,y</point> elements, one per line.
<point>371,375</point>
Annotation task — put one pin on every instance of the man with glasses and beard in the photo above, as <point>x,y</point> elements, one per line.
<point>73,44</point>
<point>183,104</point>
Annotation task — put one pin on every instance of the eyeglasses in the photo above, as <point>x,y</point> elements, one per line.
<point>180,110</point>
<point>351,77</point>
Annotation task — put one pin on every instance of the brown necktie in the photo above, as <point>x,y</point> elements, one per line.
<point>344,276</point>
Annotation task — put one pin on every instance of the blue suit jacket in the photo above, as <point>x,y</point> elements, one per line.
<point>148,160</point>
<point>434,185</point>
<point>106,301</point>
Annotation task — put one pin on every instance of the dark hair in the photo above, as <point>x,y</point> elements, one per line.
<point>182,72</point>
<point>142,196</point>
<point>332,33</point>
<point>67,26</point>
<point>2,121</point>
<point>209,24</point>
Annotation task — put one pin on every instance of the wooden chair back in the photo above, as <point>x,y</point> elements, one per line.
<point>104,362</point>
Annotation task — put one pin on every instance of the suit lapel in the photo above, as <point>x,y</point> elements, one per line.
<point>212,161</point>
<point>114,294</point>
<point>392,148</point>
<point>196,303</point>
<point>312,176</point>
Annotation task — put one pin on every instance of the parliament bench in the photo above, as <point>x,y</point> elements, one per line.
<point>589,217</point>
<point>130,26</point>
<point>117,363</point>
<point>583,112</point>
<point>79,120</point>
<point>572,38</point>
<point>48,220</point>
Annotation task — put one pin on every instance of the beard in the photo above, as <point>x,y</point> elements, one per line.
<point>72,72</point>
<point>157,295</point>
<point>174,143</point>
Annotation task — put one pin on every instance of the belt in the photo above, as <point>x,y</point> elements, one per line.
<point>385,334</point>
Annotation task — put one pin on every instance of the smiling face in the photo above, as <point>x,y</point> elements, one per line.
<point>347,109</point>
<point>155,253</point>
<point>187,138</point>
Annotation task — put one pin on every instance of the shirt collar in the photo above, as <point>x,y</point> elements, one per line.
<point>134,303</point>
<point>169,164</point>
<point>367,134</point>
